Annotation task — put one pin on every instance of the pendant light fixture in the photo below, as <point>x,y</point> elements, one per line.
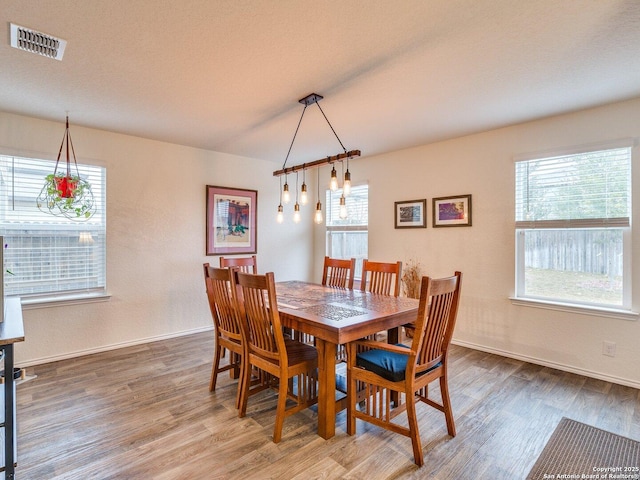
<point>280,216</point>
<point>333,183</point>
<point>317,218</point>
<point>296,207</point>
<point>285,194</point>
<point>343,208</point>
<point>304,197</point>
<point>342,212</point>
<point>346,185</point>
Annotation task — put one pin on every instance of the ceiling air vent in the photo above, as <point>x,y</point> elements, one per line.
<point>37,42</point>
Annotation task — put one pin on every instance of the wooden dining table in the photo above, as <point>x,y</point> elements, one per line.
<point>336,317</point>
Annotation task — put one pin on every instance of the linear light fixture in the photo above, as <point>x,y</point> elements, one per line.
<point>310,100</point>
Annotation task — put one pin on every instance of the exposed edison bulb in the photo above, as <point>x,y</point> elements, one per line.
<point>304,197</point>
<point>346,186</point>
<point>343,208</point>
<point>286,196</point>
<point>333,183</point>
<point>318,216</point>
<point>280,216</point>
<point>296,213</point>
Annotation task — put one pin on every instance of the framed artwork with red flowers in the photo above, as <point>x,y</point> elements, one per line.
<point>231,220</point>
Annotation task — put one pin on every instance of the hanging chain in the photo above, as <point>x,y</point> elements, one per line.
<point>67,137</point>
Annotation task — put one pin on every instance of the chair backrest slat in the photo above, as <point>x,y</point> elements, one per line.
<point>244,264</point>
<point>264,330</point>
<point>221,301</point>
<point>439,300</point>
<point>338,273</point>
<point>381,278</point>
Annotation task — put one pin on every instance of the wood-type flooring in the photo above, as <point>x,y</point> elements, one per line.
<point>145,412</point>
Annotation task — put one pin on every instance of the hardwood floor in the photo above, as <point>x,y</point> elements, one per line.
<point>145,412</point>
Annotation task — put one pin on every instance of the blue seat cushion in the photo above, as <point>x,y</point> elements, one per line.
<point>389,365</point>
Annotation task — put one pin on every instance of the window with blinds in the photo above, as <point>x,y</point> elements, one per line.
<point>572,227</point>
<point>49,256</point>
<point>348,237</point>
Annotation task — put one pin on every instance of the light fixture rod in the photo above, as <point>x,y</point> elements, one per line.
<point>317,163</point>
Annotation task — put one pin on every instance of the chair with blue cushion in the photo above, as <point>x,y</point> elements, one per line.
<point>385,369</point>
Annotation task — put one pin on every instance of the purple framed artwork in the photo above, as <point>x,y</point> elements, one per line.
<point>452,211</point>
<point>231,220</point>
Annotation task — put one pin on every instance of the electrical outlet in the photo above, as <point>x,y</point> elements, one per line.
<point>609,349</point>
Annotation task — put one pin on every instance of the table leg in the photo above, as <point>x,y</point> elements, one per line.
<point>234,373</point>
<point>393,337</point>
<point>326,388</point>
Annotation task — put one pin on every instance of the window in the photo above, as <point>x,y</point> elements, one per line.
<point>49,256</point>
<point>349,237</point>
<point>572,228</point>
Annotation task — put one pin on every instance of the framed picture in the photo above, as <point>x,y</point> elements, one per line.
<point>452,211</point>
<point>231,220</point>
<point>411,214</point>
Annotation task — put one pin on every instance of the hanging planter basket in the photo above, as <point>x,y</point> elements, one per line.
<point>64,194</point>
<point>70,197</point>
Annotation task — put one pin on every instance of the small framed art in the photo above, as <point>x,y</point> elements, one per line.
<point>452,211</point>
<point>411,214</point>
<point>231,220</point>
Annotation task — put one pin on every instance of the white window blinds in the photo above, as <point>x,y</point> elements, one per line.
<point>49,255</point>
<point>581,190</point>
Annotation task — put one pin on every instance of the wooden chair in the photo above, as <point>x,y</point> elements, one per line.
<point>381,278</point>
<point>338,273</point>
<point>244,264</point>
<point>269,350</point>
<point>226,325</point>
<point>388,368</point>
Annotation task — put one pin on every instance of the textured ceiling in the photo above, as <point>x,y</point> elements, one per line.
<point>226,75</point>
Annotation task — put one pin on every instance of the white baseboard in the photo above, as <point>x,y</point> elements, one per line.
<point>106,348</point>
<point>547,363</point>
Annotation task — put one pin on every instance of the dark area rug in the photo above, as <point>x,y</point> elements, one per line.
<point>577,450</point>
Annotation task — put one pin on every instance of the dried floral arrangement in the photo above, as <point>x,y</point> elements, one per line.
<point>411,282</point>
<point>411,279</point>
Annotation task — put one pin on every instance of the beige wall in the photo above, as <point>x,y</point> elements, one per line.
<point>156,227</point>
<point>155,238</point>
<point>482,165</point>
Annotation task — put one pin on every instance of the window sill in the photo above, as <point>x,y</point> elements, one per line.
<point>581,309</point>
<point>63,300</point>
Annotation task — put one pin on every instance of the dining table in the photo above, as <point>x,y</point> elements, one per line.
<point>334,317</point>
